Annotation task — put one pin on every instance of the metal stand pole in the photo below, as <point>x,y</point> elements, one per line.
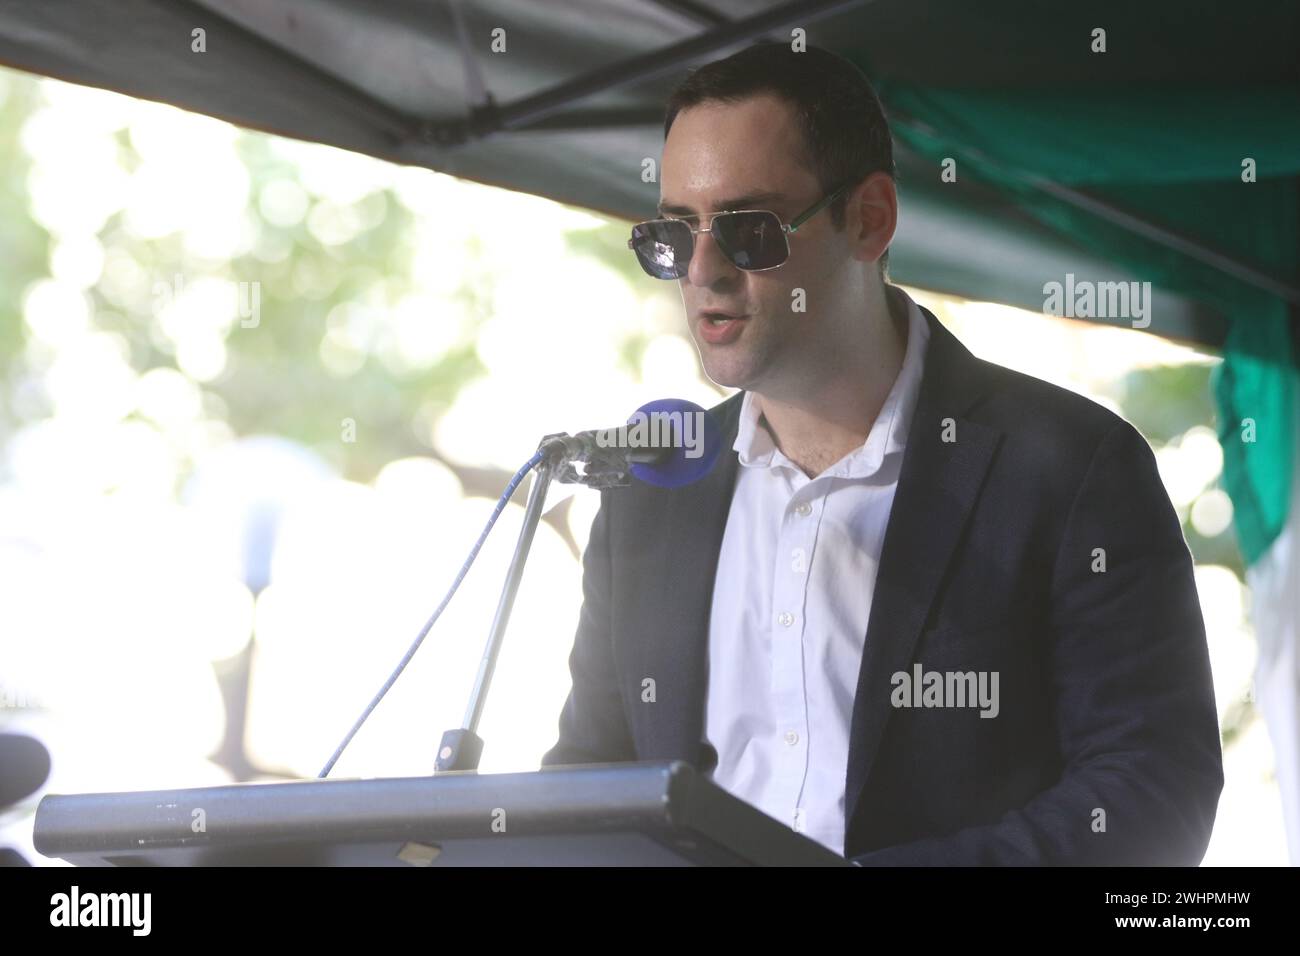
<point>461,748</point>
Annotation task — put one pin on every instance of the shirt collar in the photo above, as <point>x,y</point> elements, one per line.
<point>888,433</point>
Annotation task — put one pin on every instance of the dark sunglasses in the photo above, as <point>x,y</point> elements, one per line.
<point>751,239</point>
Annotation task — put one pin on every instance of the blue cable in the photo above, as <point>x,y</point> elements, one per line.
<point>464,569</point>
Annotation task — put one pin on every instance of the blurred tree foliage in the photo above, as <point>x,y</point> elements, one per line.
<point>22,242</point>
<point>274,380</point>
<point>1163,403</point>
<point>607,245</point>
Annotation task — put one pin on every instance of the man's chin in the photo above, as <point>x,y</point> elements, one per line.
<point>727,366</point>
<point>727,374</point>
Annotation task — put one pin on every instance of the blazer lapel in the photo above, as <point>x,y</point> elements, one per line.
<point>675,642</point>
<point>937,487</point>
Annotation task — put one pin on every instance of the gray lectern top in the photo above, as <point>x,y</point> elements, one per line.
<point>624,814</point>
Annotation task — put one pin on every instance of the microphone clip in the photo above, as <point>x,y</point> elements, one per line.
<point>605,467</point>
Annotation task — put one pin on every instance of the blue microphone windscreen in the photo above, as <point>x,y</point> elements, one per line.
<point>698,439</point>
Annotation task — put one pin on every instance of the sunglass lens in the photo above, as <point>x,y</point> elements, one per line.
<point>663,247</point>
<point>753,240</point>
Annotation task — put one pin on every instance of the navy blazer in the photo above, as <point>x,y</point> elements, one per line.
<point>1030,535</point>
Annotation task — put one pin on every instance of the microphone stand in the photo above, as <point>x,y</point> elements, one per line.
<point>462,747</point>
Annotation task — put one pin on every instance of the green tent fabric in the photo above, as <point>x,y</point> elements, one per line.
<point>1173,157</point>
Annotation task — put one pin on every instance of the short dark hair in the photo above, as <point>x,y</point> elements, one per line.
<point>846,136</point>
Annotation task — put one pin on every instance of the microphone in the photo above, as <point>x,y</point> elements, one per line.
<point>668,443</point>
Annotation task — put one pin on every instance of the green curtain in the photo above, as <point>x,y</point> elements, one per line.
<point>1174,158</point>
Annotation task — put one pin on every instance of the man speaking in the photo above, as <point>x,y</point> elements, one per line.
<point>923,609</point>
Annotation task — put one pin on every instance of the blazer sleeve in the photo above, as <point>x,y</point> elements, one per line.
<point>1131,690</point>
<point>593,728</point>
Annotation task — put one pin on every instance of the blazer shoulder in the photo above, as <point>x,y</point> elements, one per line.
<point>1022,403</point>
<point>1055,424</point>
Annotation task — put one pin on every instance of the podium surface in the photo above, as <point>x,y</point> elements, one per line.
<point>626,814</point>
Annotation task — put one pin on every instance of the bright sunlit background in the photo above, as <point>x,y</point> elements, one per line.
<point>258,398</point>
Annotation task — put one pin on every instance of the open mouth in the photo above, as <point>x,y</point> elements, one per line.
<point>721,328</point>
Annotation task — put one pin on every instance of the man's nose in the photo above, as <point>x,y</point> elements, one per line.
<point>708,262</point>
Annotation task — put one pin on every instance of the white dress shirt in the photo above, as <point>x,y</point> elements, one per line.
<point>796,576</point>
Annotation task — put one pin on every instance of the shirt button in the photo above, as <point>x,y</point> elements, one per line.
<point>791,737</point>
<point>798,560</point>
<point>803,508</point>
<point>785,618</point>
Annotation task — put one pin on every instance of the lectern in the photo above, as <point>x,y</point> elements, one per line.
<point>626,814</point>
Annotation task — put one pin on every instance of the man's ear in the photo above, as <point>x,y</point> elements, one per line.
<point>876,201</point>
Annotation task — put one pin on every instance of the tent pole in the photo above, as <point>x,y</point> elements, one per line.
<point>525,112</point>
